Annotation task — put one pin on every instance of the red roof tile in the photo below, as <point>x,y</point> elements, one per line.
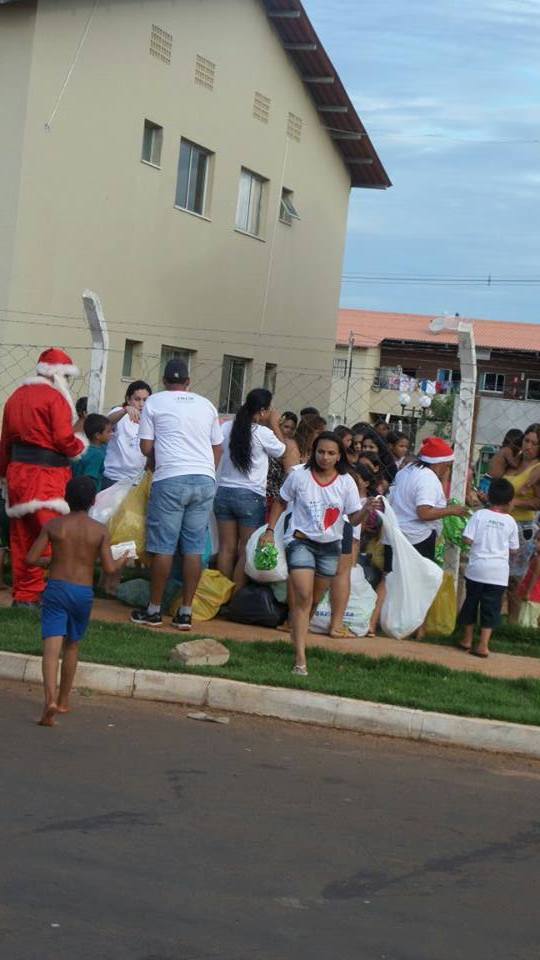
<point>371,327</point>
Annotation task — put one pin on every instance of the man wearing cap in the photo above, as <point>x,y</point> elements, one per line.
<point>182,431</point>
<point>36,445</point>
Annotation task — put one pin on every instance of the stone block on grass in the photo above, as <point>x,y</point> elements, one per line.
<point>200,653</point>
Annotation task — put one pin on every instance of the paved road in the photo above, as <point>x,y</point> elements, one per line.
<point>130,832</point>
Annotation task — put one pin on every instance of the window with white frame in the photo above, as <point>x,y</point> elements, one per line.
<point>287,209</point>
<point>233,382</point>
<point>152,143</point>
<point>270,377</point>
<point>533,390</point>
<point>492,382</point>
<point>174,353</point>
<point>132,349</point>
<point>249,206</point>
<point>192,178</point>
<point>339,368</point>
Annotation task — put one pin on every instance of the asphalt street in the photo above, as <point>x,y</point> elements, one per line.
<point>130,832</point>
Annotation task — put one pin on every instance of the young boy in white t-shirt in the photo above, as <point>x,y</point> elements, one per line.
<point>493,536</point>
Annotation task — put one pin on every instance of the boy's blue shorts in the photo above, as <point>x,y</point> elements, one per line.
<point>65,610</point>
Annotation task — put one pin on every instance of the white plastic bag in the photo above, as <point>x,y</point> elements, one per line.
<point>278,573</point>
<point>110,500</point>
<point>411,587</point>
<point>360,607</point>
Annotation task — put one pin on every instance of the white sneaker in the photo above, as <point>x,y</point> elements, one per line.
<point>300,671</point>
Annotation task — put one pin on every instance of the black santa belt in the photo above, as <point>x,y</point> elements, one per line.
<point>37,456</point>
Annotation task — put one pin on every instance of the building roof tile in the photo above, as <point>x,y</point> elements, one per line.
<point>371,327</point>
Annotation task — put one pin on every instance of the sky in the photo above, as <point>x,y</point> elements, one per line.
<point>449,91</point>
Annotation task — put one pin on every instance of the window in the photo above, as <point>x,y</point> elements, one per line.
<point>174,353</point>
<point>192,177</point>
<point>131,349</point>
<point>339,368</point>
<point>533,390</point>
<point>261,107</point>
<point>287,211</point>
<point>205,72</point>
<point>270,377</point>
<point>233,379</point>
<point>152,142</point>
<point>161,44</point>
<point>294,127</point>
<point>248,210</point>
<point>492,382</point>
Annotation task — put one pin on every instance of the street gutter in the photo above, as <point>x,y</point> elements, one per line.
<point>297,706</point>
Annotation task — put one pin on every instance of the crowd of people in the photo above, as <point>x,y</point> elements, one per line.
<point>249,471</point>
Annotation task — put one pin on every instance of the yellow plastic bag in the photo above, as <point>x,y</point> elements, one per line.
<point>442,614</point>
<point>129,523</point>
<point>214,590</point>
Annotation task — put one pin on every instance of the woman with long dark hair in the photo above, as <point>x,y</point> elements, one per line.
<point>240,504</point>
<point>373,443</point>
<point>123,459</point>
<point>320,496</point>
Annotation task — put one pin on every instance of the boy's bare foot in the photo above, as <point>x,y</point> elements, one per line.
<point>49,714</point>
<point>63,708</point>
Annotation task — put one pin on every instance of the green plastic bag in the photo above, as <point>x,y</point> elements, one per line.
<point>266,557</point>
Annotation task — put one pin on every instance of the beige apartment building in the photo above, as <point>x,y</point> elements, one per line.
<point>191,163</point>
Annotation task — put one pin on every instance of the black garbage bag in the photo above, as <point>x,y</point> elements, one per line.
<point>372,573</point>
<point>255,604</point>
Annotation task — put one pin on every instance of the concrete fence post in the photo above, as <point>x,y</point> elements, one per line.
<point>100,346</point>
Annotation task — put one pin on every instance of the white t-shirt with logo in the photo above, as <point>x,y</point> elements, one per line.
<point>416,487</point>
<point>493,535</point>
<point>317,510</point>
<point>264,444</point>
<point>184,427</point>
<point>123,459</point>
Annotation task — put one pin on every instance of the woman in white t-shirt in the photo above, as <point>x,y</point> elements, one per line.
<point>419,501</point>
<point>123,459</point>
<point>319,494</point>
<point>240,503</point>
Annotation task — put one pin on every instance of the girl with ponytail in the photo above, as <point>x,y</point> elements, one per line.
<point>240,504</point>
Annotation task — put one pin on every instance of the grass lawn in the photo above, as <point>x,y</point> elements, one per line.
<point>389,680</point>
<point>508,638</point>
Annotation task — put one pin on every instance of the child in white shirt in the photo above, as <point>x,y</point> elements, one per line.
<point>493,536</point>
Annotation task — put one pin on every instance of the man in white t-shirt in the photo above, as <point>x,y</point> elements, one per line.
<point>181,430</point>
<point>493,535</point>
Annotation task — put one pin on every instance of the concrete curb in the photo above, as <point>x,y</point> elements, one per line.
<point>298,706</point>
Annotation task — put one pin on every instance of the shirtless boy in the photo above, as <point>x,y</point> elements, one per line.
<point>73,542</point>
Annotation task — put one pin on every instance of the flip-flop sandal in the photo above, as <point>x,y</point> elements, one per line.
<point>463,646</point>
<point>371,633</point>
<point>342,633</point>
<point>477,653</point>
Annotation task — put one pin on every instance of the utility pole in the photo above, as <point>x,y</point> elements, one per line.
<point>349,373</point>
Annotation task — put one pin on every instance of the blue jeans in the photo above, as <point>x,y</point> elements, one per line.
<point>322,558</point>
<point>238,503</point>
<point>178,513</point>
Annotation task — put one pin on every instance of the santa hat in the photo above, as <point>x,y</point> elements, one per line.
<point>435,450</point>
<point>55,362</point>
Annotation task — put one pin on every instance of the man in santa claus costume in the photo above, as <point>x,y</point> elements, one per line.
<point>36,446</point>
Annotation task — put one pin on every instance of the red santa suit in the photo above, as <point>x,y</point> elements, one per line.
<point>36,445</point>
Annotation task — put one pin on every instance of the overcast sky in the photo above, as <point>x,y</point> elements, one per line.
<point>449,91</point>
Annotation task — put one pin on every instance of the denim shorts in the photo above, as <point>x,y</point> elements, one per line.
<point>244,506</point>
<point>322,558</point>
<point>486,597</point>
<point>178,514</point>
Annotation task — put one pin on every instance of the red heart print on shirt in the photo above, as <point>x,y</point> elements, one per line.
<point>331,514</point>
